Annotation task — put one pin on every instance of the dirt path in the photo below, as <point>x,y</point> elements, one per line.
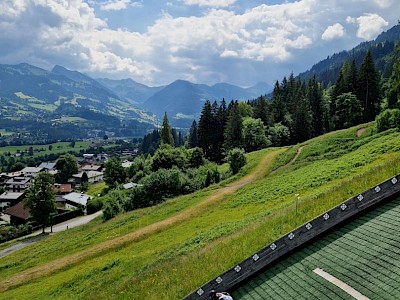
<point>56,228</point>
<point>291,161</point>
<point>64,262</point>
<point>360,131</point>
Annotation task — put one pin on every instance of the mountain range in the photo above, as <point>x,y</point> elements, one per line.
<point>62,98</point>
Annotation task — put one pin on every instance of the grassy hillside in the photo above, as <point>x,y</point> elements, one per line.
<point>169,250</point>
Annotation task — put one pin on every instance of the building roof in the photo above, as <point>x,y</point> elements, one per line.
<point>10,196</point>
<point>127,163</point>
<point>91,168</point>
<point>31,170</point>
<point>64,187</point>
<point>363,254</point>
<point>130,185</point>
<point>18,211</point>
<point>11,174</point>
<point>18,180</point>
<point>47,165</point>
<point>77,198</point>
<point>90,174</point>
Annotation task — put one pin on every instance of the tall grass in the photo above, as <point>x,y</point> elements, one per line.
<point>171,260</point>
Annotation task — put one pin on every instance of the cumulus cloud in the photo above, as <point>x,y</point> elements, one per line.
<point>332,32</point>
<point>212,46</point>
<point>116,5</point>
<point>370,25</point>
<point>210,3</point>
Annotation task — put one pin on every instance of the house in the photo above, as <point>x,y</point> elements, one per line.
<point>127,163</point>
<point>31,171</point>
<point>6,176</point>
<point>48,166</point>
<point>88,156</point>
<point>73,200</point>
<point>130,185</point>
<point>63,188</point>
<point>93,176</point>
<point>91,167</point>
<point>18,184</point>
<point>8,199</point>
<point>18,214</point>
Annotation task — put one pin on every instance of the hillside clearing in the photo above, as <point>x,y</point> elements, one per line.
<point>170,249</point>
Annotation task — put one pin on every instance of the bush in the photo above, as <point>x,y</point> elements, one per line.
<point>94,205</point>
<point>167,157</point>
<point>383,121</point>
<point>236,159</point>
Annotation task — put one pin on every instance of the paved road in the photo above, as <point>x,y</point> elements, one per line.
<point>56,228</point>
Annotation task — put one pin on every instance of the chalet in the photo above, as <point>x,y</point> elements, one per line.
<point>93,177</point>
<point>18,214</point>
<point>127,163</point>
<point>88,156</point>
<point>63,188</point>
<point>73,200</point>
<point>18,184</point>
<point>8,199</point>
<point>31,171</point>
<point>130,185</point>
<point>48,166</point>
<point>4,177</point>
<point>91,167</point>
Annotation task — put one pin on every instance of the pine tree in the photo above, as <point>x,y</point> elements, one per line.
<point>193,141</point>
<point>165,133</point>
<point>393,94</point>
<point>368,88</point>
<point>204,129</point>
<point>233,129</point>
<point>315,98</point>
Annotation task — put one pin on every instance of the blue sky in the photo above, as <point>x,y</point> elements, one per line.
<point>205,41</point>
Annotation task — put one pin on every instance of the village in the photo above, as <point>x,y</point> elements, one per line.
<point>70,198</point>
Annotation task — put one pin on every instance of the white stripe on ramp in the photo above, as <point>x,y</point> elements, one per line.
<point>340,284</point>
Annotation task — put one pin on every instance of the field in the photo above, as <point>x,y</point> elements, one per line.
<point>60,147</point>
<point>168,250</point>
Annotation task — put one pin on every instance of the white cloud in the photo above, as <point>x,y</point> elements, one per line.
<point>332,32</point>
<point>115,5</point>
<point>370,25</point>
<point>384,3</point>
<point>350,20</point>
<point>210,3</point>
<point>214,45</point>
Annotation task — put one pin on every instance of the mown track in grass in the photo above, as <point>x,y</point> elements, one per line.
<point>70,260</point>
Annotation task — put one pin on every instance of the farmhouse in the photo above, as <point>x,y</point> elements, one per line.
<point>18,214</point>
<point>18,184</point>
<point>9,199</point>
<point>31,171</point>
<point>73,200</point>
<point>93,176</point>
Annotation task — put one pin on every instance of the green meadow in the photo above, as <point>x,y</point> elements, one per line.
<point>59,147</point>
<point>169,250</point>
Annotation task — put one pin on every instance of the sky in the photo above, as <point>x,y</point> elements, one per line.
<point>155,42</point>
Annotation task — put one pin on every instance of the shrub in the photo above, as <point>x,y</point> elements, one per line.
<point>387,119</point>
<point>94,205</point>
<point>383,121</point>
<point>236,159</point>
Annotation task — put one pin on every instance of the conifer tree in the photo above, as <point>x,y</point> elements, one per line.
<point>165,133</point>
<point>233,129</point>
<point>315,98</point>
<point>204,129</point>
<point>193,141</point>
<point>368,88</point>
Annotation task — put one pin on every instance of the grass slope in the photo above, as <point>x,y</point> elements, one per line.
<point>172,248</point>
